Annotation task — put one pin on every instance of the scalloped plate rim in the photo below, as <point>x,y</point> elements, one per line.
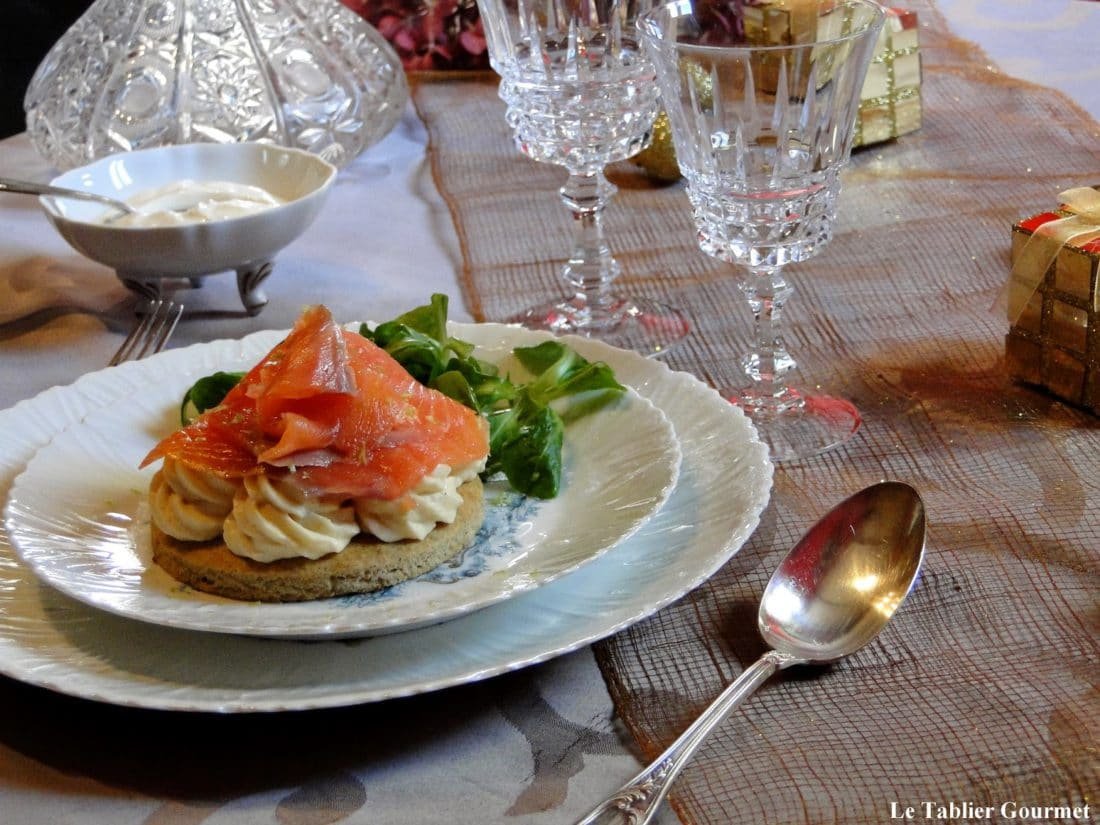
<point>59,557</point>
<point>37,650</point>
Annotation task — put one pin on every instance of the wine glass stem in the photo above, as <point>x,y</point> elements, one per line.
<point>769,362</point>
<point>591,268</point>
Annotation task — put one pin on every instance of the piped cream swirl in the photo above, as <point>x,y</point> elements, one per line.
<point>273,519</point>
<point>435,500</point>
<point>412,516</point>
<point>190,504</point>
<point>266,518</point>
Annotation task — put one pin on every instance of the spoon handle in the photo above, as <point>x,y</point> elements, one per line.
<point>24,187</point>
<point>636,802</point>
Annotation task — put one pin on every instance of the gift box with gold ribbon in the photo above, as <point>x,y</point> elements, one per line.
<point>1054,299</point>
<point>890,101</point>
<point>786,22</point>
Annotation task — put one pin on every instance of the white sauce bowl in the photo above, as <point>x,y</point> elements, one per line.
<point>300,179</point>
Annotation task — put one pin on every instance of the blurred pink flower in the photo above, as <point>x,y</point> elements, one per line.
<point>428,34</point>
<point>728,15</point>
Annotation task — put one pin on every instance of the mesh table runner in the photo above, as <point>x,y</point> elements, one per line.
<point>984,689</point>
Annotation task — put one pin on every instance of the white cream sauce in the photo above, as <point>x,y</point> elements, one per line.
<point>435,500</point>
<point>266,520</point>
<point>189,201</point>
<point>272,520</point>
<point>189,504</point>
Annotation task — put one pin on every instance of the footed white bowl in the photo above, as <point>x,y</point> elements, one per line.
<point>144,258</point>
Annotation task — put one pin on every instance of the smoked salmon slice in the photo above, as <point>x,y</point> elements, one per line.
<point>334,412</point>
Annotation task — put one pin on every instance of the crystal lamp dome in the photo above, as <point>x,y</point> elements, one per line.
<point>133,74</point>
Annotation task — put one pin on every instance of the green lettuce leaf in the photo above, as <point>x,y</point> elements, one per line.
<point>207,393</point>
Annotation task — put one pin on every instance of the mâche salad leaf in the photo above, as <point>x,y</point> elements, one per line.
<point>207,393</point>
<point>526,420</point>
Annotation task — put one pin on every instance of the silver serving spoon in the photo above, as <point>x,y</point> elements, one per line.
<point>829,597</point>
<point>26,187</point>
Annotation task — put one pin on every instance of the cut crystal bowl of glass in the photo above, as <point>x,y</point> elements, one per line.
<point>308,74</point>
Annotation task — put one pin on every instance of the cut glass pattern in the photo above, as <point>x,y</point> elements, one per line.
<point>133,75</point>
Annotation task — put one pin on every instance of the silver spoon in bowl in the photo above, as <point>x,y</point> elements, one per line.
<point>26,187</point>
<point>831,595</point>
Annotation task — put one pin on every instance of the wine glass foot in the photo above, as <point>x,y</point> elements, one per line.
<point>806,426</point>
<point>643,326</point>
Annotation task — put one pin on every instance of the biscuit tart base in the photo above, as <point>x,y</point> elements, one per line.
<point>366,564</point>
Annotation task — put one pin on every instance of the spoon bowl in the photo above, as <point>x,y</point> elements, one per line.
<point>832,594</point>
<point>844,580</point>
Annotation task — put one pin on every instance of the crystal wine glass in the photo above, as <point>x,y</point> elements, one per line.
<point>762,102</point>
<point>580,94</point>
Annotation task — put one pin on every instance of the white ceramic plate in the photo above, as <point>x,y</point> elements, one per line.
<point>52,641</point>
<point>78,516</point>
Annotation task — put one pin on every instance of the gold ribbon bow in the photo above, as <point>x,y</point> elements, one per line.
<point>1047,241</point>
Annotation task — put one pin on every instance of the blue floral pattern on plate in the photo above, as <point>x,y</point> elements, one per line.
<point>505,513</point>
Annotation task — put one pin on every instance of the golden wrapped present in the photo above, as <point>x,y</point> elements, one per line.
<point>788,22</point>
<point>890,101</point>
<point>1054,300</point>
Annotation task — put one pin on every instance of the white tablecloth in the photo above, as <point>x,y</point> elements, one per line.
<point>1050,42</point>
